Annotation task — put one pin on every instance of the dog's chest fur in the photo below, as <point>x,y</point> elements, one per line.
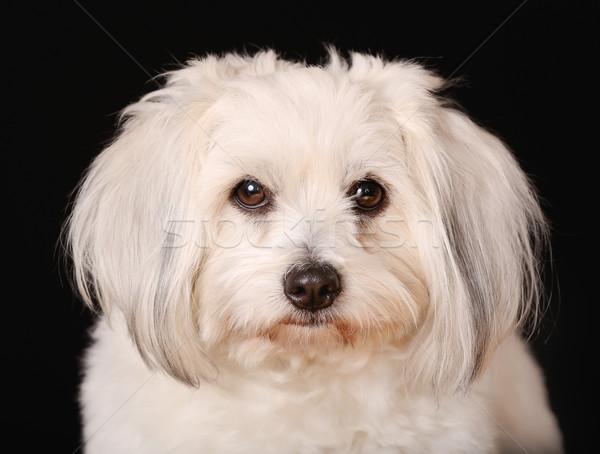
<point>356,402</point>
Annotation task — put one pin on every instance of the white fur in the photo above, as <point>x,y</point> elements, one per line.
<point>201,351</point>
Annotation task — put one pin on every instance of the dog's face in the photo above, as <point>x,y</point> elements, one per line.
<point>305,233</point>
<point>261,207</point>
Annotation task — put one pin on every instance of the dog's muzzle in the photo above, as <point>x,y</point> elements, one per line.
<point>312,287</point>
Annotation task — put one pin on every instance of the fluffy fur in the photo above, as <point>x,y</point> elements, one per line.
<point>199,349</point>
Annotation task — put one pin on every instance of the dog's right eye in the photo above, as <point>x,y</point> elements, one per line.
<point>250,194</point>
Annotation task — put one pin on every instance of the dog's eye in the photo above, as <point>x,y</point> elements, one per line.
<point>367,194</point>
<point>250,194</point>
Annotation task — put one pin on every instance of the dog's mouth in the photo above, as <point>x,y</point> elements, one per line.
<point>309,319</point>
<point>321,327</point>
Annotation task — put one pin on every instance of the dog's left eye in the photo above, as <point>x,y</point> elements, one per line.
<point>250,194</point>
<point>367,194</point>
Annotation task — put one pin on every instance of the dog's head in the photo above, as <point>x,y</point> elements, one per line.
<point>262,207</point>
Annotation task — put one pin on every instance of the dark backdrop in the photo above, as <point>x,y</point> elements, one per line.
<point>68,67</point>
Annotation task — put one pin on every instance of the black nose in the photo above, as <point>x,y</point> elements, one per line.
<point>312,287</point>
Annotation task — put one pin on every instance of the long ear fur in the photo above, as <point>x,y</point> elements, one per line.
<point>137,206</point>
<point>122,255</point>
<point>483,269</point>
<point>492,232</point>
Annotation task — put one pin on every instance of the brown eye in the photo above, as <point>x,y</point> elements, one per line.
<point>367,194</point>
<point>250,194</point>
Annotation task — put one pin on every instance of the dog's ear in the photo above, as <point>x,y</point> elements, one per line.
<point>482,270</point>
<point>135,227</point>
<point>486,278</point>
<point>492,233</point>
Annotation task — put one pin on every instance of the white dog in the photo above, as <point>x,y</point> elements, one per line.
<point>308,259</point>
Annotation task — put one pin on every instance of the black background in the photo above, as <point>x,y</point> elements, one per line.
<point>69,67</point>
